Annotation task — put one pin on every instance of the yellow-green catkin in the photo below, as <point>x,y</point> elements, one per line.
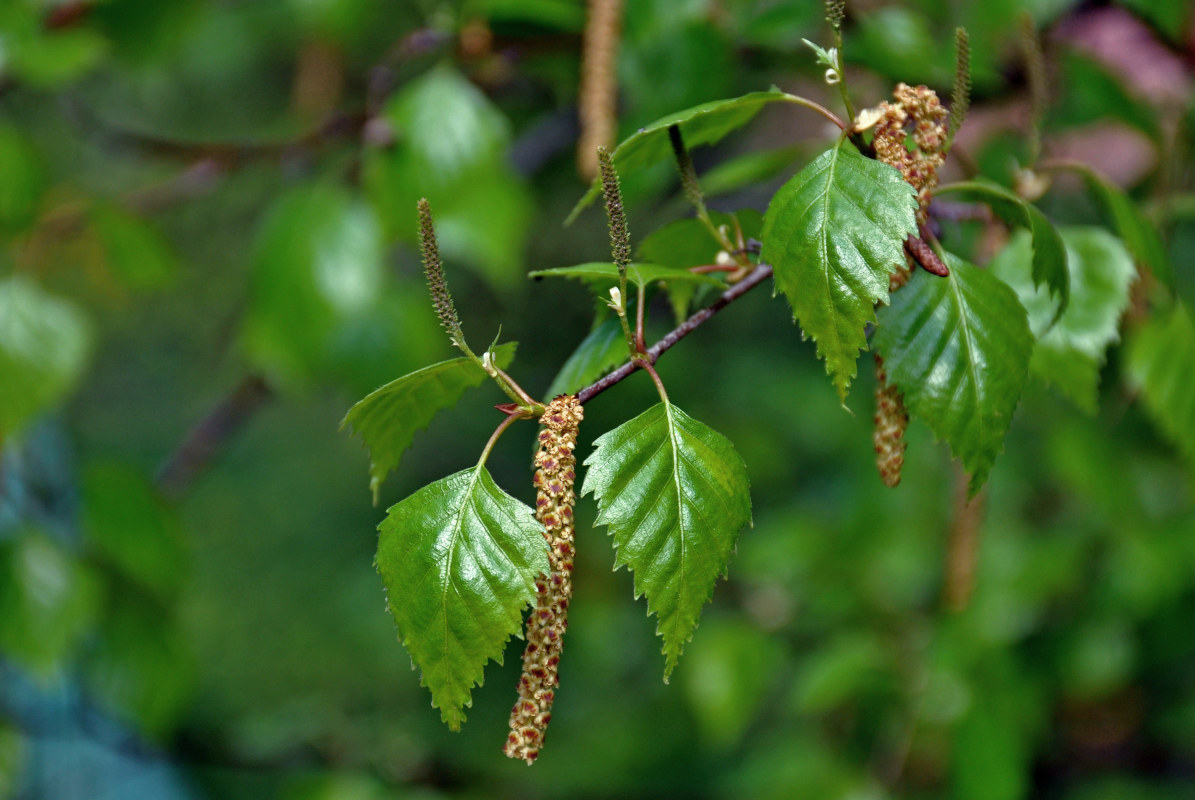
<point>555,473</point>
<point>891,420</point>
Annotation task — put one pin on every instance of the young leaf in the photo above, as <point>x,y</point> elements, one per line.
<point>1049,253</point>
<point>1161,363</point>
<point>1139,235</point>
<point>959,348</point>
<point>601,351</point>
<point>387,418</point>
<point>639,274</point>
<point>674,494</point>
<point>833,234</point>
<point>703,124</point>
<point>43,346</point>
<point>1071,353</point>
<point>459,559</point>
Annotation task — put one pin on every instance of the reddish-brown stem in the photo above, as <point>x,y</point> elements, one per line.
<point>502,426</point>
<point>704,268</point>
<point>757,276</point>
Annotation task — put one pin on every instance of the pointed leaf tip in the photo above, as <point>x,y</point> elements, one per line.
<point>674,494</point>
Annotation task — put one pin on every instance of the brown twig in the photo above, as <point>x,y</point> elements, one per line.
<point>761,273</point>
<point>211,435</point>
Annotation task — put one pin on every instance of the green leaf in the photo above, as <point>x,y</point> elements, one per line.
<point>43,346</point>
<point>136,252</point>
<point>48,600</point>
<point>687,243</point>
<point>1049,252</point>
<point>833,234</point>
<point>1139,235</point>
<point>746,170</point>
<point>459,559</point>
<point>1161,364</point>
<point>674,494</point>
<point>639,274</point>
<point>702,124</point>
<point>387,419</point>
<point>959,348</point>
<point>317,267</point>
<point>132,531</point>
<point>24,181</point>
<point>601,351</point>
<point>449,146</point>
<point>1071,353</point>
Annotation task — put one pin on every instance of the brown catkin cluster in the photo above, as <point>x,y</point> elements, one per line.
<point>919,106</point>
<point>555,472</point>
<point>891,420</point>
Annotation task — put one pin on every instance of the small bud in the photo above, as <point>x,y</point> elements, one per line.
<point>867,119</point>
<point>725,259</point>
<point>487,363</point>
<point>832,77</point>
<point>615,301</point>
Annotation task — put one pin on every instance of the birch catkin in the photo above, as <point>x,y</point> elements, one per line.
<point>555,474</point>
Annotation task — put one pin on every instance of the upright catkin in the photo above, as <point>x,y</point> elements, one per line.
<point>555,473</point>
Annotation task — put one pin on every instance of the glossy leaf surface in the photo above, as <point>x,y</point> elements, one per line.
<point>704,124</point>
<point>675,495</point>
<point>833,234</point>
<point>387,419</point>
<point>459,559</point>
<point>959,349</point>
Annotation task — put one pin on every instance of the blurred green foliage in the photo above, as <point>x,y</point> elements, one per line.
<point>196,192</point>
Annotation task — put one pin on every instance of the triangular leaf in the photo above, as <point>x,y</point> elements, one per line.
<point>833,234</point>
<point>1049,253</point>
<point>702,124</point>
<point>1070,354</point>
<point>1161,363</point>
<point>387,419</point>
<point>674,494</point>
<point>638,274</point>
<point>601,351</point>
<point>958,348</point>
<point>459,559</point>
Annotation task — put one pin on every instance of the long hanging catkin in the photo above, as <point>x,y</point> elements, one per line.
<point>554,476</point>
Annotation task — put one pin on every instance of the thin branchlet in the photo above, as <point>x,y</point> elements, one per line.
<point>835,13</point>
<point>1035,74</point>
<point>620,237</point>
<point>688,175</point>
<point>433,267</point>
<point>960,94</point>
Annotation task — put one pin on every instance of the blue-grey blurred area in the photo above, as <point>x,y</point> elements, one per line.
<point>208,254</point>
